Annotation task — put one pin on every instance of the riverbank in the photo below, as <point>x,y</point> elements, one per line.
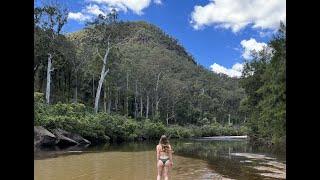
<point>101,127</point>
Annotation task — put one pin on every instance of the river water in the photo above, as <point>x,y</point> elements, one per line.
<point>196,159</point>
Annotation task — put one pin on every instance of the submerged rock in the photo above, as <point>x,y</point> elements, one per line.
<point>43,137</point>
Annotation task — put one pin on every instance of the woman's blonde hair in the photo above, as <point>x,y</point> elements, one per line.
<point>164,142</point>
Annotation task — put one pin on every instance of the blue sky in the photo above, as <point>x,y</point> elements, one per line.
<point>218,33</point>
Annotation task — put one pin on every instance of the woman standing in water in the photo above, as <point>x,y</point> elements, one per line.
<point>164,157</point>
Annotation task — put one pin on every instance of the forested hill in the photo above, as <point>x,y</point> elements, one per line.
<point>150,76</point>
<point>130,79</point>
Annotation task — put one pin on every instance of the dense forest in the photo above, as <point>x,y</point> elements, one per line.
<point>128,80</point>
<point>264,81</point>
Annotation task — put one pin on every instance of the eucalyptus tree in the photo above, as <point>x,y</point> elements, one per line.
<point>50,18</point>
<point>103,35</point>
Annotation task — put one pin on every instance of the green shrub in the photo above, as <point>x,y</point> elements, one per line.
<point>176,131</point>
<point>152,130</point>
<point>75,117</point>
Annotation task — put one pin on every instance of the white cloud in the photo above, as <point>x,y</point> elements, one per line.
<point>104,6</point>
<point>251,45</point>
<point>157,2</point>
<point>78,16</point>
<point>237,14</point>
<point>134,5</point>
<point>89,12</point>
<point>94,10</point>
<point>235,71</point>
<point>267,33</point>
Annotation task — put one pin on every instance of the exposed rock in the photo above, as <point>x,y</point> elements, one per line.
<point>76,137</point>
<point>42,137</point>
<point>63,139</point>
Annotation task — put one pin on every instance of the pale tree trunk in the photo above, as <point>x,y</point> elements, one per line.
<point>49,70</point>
<point>127,95</point>
<point>173,114</point>
<point>147,108</point>
<point>116,101</point>
<point>76,68</point>
<point>152,108</point>
<point>135,101</point>
<point>141,106</point>
<point>105,98</point>
<point>35,70</point>
<point>167,115</point>
<point>109,101</point>
<point>157,99</point>
<point>157,107</point>
<point>76,90</point>
<point>93,93</point>
<point>103,74</point>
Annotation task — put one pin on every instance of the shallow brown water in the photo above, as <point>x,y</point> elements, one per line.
<point>117,166</point>
<point>193,160</point>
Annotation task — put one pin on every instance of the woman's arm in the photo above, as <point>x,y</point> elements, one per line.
<point>170,154</point>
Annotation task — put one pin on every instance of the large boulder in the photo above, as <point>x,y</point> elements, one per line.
<point>63,139</point>
<point>42,137</point>
<point>68,137</point>
<point>77,138</point>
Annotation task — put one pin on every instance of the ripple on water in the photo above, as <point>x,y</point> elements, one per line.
<point>266,166</point>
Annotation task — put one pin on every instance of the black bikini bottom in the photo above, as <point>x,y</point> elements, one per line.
<point>164,160</point>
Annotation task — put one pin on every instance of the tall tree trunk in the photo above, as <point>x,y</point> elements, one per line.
<point>141,106</point>
<point>135,101</point>
<point>127,95</point>
<point>93,89</point>
<point>167,114</point>
<point>157,100</point>
<point>147,108</point>
<point>117,100</point>
<point>157,108</point>
<point>69,87</point>
<point>103,74</point>
<point>152,108</point>
<point>35,71</point>
<point>173,114</point>
<point>76,90</point>
<point>49,70</point>
<point>109,101</point>
<point>105,97</point>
